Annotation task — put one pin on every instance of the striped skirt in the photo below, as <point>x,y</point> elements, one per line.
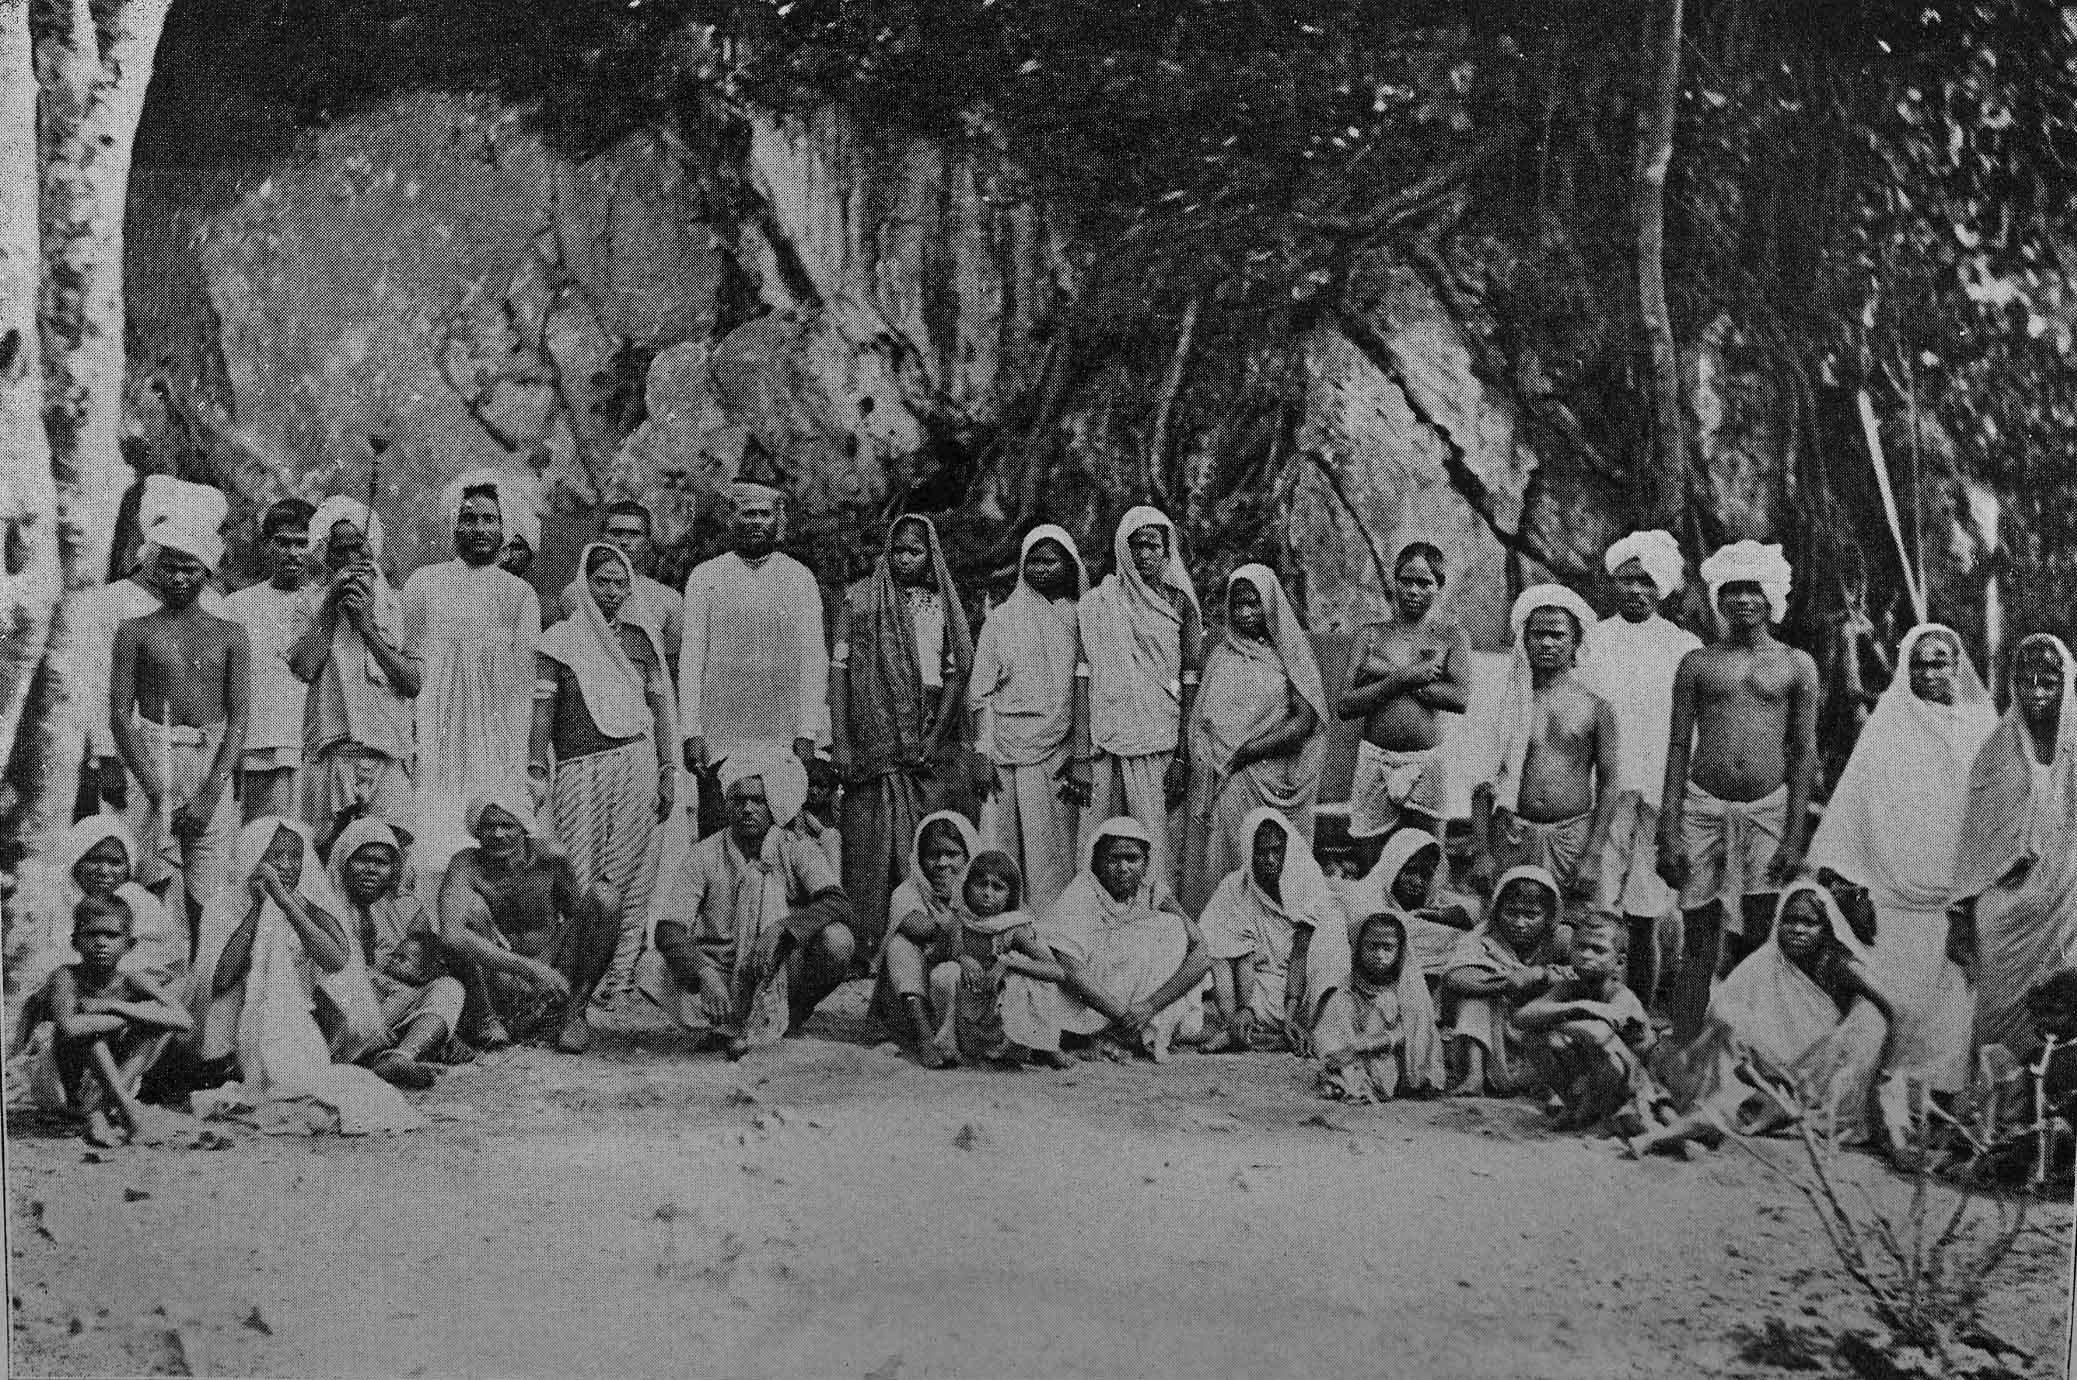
<point>605,818</point>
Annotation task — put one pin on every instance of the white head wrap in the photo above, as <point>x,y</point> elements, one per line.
<point>1518,700</point>
<point>785,779</point>
<point>513,798</point>
<point>185,517</point>
<point>1760,563</point>
<point>1657,552</point>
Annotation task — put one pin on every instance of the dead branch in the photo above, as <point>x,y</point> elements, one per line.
<point>1165,401</point>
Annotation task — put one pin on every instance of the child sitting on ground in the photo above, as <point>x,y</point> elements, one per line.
<point>1376,1035</point>
<point>1588,1040</point>
<point>994,974</point>
<point>108,1026</point>
<point>1518,954</point>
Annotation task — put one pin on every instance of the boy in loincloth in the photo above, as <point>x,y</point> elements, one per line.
<point>177,710</point>
<point>1740,760</point>
<point>110,1025</point>
<point>531,945</point>
<point>1552,793</point>
<point>1403,674</point>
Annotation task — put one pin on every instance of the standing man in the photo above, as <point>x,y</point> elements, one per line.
<point>357,711</point>
<point>1552,792</point>
<point>275,616</point>
<point>753,669</point>
<point>1739,764</point>
<point>1631,659</point>
<point>92,615</point>
<point>177,711</point>
<point>474,629</point>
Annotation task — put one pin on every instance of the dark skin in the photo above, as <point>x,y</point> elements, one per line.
<point>755,534</point>
<point>180,666</point>
<point>348,594</point>
<point>479,530</point>
<point>108,1025</point>
<point>1051,573</point>
<point>1246,618</point>
<point>1121,869</point>
<point>908,561</point>
<point>275,878</point>
<point>1233,980</point>
<point>1525,913</point>
<point>2037,691</point>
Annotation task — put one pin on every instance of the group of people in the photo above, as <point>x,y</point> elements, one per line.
<point>1092,826</point>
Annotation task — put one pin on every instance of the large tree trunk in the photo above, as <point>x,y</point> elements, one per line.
<point>1666,475</point>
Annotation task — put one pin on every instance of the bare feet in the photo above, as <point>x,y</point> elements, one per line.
<point>491,1034</point>
<point>100,1131</point>
<point>1225,1042</point>
<point>576,1033</point>
<point>738,1046</point>
<point>1053,1058</point>
<point>932,1057</point>
<point>1464,1087</point>
<point>396,1068</point>
<point>150,1128</point>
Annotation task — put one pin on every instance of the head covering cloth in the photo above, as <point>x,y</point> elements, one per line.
<point>784,777</point>
<point>1659,555</point>
<point>1751,562</point>
<point>588,644</point>
<point>1132,639</point>
<point>890,721</point>
<point>511,796</point>
<point>1032,713</point>
<point>188,518</point>
<point>349,648</point>
<point>1517,717</point>
<point>1401,998</point>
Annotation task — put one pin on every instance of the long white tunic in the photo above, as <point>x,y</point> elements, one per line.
<point>753,670</point>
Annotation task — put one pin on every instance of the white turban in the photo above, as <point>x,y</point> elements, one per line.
<point>189,518</point>
<point>785,779</point>
<point>1751,562</point>
<point>513,798</point>
<point>1657,552</point>
<point>741,491</point>
<point>1551,597</point>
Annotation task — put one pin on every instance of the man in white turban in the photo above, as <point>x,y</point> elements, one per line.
<point>531,943</point>
<point>1550,794</point>
<point>473,628</point>
<point>91,617</point>
<point>753,930</point>
<point>753,671</point>
<point>178,707</point>
<point>1631,659</point>
<point>1740,761</point>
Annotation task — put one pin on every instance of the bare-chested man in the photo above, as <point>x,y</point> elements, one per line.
<point>1552,793</point>
<point>1403,674</point>
<point>1739,765</point>
<point>177,712</point>
<point>530,943</point>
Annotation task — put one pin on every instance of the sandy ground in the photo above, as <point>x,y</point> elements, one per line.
<point>826,1209</point>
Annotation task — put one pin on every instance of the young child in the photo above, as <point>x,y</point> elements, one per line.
<point>109,1025</point>
<point>1589,1037</point>
<point>1376,1034</point>
<point>818,819</point>
<point>994,972</point>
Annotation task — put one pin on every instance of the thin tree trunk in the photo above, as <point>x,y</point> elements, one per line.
<point>29,560</point>
<point>1171,385</point>
<point>1666,475</point>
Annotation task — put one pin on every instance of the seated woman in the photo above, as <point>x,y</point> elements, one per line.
<point>1131,960</point>
<point>920,917</point>
<point>1801,1009</point>
<point>95,858</point>
<point>270,948</point>
<point>1517,954</point>
<point>1376,1037</point>
<point>1408,879</point>
<point>1260,923</point>
<point>391,936</point>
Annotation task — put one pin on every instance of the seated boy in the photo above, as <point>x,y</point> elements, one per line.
<point>1589,1037</point>
<point>109,1025</point>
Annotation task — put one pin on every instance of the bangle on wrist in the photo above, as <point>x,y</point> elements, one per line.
<point>537,769</point>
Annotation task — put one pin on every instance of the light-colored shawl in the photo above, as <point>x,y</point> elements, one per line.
<point>380,927</point>
<point>914,895</point>
<point>1071,924</point>
<point>1401,1003</point>
<point>890,726</point>
<point>588,643</point>
<point>1240,907</point>
<point>1485,950</point>
<point>1132,637</point>
<point>1773,1006</point>
<point>348,646</point>
<point>1894,823</point>
<point>262,1018</point>
<point>1032,710</point>
<point>2006,819</point>
<point>1228,717</point>
<point>1517,718</point>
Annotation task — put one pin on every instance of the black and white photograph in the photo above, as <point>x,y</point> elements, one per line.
<point>1032,689</point>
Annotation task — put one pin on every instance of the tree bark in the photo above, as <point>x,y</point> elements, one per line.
<point>1665,474</point>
